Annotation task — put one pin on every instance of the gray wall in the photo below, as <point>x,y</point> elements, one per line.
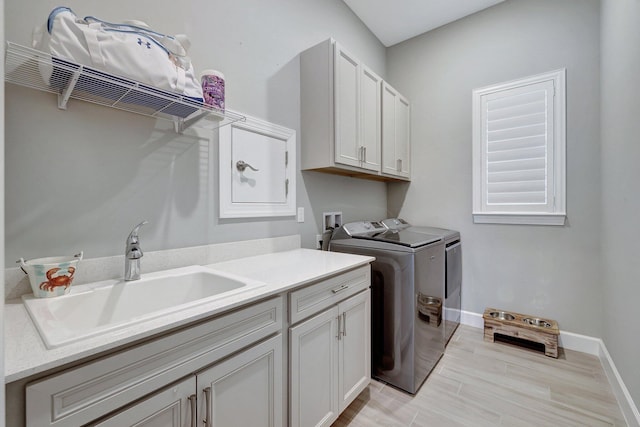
<point>2,391</point>
<point>620,178</point>
<point>542,270</point>
<point>80,179</point>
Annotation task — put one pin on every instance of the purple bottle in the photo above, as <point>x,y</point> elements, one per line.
<point>213,88</point>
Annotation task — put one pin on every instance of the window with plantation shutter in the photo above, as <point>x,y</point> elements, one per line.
<point>519,151</point>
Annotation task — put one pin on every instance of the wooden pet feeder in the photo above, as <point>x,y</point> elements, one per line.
<point>522,329</point>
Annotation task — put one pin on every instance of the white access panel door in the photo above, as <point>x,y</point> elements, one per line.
<point>370,88</point>
<point>170,407</point>
<point>257,170</point>
<point>264,153</point>
<point>347,107</point>
<point>245,390</point>
<point>313,345</point>
<point>355,347</point>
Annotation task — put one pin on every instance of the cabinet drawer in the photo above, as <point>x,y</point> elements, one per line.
<point>85,393</point>
<point>320,295</point>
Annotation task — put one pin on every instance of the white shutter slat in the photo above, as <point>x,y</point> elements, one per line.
<point>532,198</point>
<point>516,176</point>
<point>517,121</point>
<point>521,132</point>
<point>517,154</point>
<point>517,110</point>
<point>516,165</point>
<point>515,97</point>
<point>515,143</point>
<point>517,187</point>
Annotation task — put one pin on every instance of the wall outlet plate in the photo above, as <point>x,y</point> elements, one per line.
<point>331,220</point>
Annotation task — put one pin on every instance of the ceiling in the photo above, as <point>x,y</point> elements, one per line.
<point>398,20</point>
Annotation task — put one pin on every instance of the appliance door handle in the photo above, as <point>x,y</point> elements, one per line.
<point>207,421</point>
<point>452,247</point>
<point>192,403</point>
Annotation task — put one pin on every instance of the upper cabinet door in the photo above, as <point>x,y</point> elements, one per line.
<point>396,136</point>
<point>347,107</point>
<point>370,88</point>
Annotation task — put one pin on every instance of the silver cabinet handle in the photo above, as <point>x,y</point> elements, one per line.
<point>344,324</point>
<point>241,165</point>
<point>339,327</point>
<point>207,397</point>
<point>340,289</point>
<point>193,403</point>
<point>399,165</point>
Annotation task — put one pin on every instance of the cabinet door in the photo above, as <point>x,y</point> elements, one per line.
<point>396,137</point>
<point>347,107</point>
<point>355,347</point>
<point>170,407</point>
<point>313,366</point>
<point>244,390</point>
<point>370,107</point>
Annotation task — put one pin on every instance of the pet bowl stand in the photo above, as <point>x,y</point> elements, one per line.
<point>523,327</point>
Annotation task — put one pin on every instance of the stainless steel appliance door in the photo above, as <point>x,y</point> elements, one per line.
<point>453,288</point>
<point>429,336</point>
<point>392,318</point>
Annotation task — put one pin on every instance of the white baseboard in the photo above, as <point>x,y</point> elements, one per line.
<point>589,345</point>
<point>629,409</point>
<point>470,318</point>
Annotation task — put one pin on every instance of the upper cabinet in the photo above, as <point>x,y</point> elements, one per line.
<point>396,140</point>
<point>341,113</point>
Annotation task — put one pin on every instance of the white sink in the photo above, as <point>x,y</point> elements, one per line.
<point>101,307</point>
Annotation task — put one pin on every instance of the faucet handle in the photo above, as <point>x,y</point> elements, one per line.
<point>133,236</point>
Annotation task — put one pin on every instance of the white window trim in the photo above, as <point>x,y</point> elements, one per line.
<point>558,215</point>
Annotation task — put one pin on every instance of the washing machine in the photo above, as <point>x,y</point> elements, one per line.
<point>407,296</point>
<point>453,268</point>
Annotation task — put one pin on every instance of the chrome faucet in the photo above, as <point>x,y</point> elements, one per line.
<point>132,254</point>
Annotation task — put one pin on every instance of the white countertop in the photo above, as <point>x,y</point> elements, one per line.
<point>26,354</point>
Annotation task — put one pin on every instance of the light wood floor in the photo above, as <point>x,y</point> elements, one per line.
<point>478,383</point>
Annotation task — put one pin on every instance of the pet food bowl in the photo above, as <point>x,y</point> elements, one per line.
<point>51,277</point>
<point>502,315</point>
<point>537,322</point>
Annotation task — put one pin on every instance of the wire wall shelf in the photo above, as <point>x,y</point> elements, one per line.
<point>38,70</point>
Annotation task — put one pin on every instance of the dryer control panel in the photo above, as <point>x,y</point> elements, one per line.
<point>363,227</point>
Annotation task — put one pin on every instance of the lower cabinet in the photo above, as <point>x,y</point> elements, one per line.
<point>227,370</point>
<point>330,361</point>
<point>236,358</point>
<point>244,390</point>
